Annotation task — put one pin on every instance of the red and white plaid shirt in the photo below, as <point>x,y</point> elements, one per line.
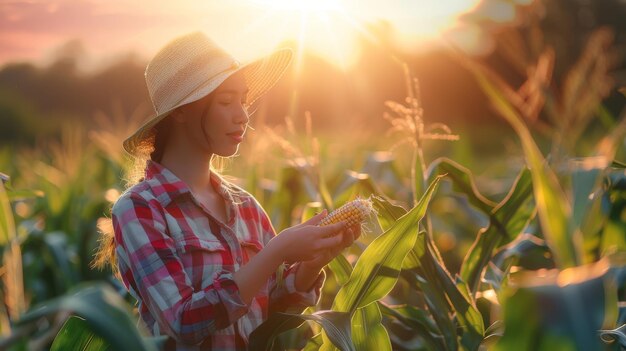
<point>177,260</point>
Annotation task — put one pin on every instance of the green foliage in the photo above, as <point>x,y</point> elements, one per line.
<point>563,311</point>
<point>539,262</point>
<point>462,180</point>
<point>373,277</point>
<point>7,225</point>
<point>507,220</point>
<point>105,313</point>
<point>378,267</point>
<point>107,321</point>
<point>567,310</point>
<point>415,321</point>
<point>335,323</point>
<point>438,287</point>
<point>368,332</point>
<point>75,335</point>
<point>552,205</point>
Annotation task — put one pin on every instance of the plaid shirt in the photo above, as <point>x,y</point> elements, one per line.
<point>177,260</point>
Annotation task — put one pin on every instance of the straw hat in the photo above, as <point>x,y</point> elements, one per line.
<point>188,69</point>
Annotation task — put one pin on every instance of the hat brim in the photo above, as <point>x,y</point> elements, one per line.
<point>260,76</point>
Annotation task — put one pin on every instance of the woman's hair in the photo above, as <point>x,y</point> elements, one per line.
<point>152,148</point>
<point>162,131</point>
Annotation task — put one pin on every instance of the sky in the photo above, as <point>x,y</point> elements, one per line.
<point>33,30</point>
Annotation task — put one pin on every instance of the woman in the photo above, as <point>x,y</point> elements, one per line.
<point>199,254</point>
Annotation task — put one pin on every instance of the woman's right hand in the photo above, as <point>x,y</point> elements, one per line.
<point>305,241</point>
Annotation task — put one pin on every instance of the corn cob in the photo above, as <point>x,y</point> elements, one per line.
<point>353,212</point>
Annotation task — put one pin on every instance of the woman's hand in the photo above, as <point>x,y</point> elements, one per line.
<point>307,241</point>
<point>310,270</point>
<point>349,235</point>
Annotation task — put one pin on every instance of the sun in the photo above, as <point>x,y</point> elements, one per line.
<point>302,6</point>
<point>337,29</point>
<point>322,26</point>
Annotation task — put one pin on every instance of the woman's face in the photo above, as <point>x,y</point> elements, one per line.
<point>218,125</point>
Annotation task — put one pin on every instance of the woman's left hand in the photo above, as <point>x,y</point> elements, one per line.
<point>349,234</point>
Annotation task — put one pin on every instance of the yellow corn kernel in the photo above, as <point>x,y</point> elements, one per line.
<point>353,212</point>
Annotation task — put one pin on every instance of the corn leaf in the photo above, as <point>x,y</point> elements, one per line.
<point>383,170</point>
<point>618,164</point>
<point>613,203</point>
<point>368,333</point>
<point>418,321</point>
<point>353,185</point>
<point>56,253</point>
<point>7,224</point>
<point>527,251</point>
<point>310,210</point>
<point>75,335</point>
<point>24,194</point>
<point>296,338</point>
<point>294,188</point>
<point>315,343</point>
<point>104,311</point>
<point>335,324</point>
<point>418,174</point>
<point>553,209</point>
<point>440,310</point>
<point>471,326</point>
<point>517,209</point>
<point>508,219</point>
<point>411,316</point>
<point>377,269</point>
<point>549,312</point>
<point>323,190</point>
<point>341,268</point>
<point>462,182</point>
<point>588,216</point>
<point>387,212</point>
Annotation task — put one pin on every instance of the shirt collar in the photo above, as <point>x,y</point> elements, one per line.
<point>167,186</point>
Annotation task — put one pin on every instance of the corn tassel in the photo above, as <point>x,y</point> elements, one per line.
<point>353,212</point>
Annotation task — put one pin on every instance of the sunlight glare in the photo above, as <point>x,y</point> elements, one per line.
<point>304,6</point>
<point>321,25</point>
<point>497,11</point>
<point>471,38</point>
<point>335,29</point>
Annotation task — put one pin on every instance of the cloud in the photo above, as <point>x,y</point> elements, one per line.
<point>66,18</point>
<point>31,28</point>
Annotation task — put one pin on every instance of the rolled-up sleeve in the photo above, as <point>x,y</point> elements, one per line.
<point>150,266</point>
<point>286,298</point>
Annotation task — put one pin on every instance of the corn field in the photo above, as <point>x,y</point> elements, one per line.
<point>533,258</point>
